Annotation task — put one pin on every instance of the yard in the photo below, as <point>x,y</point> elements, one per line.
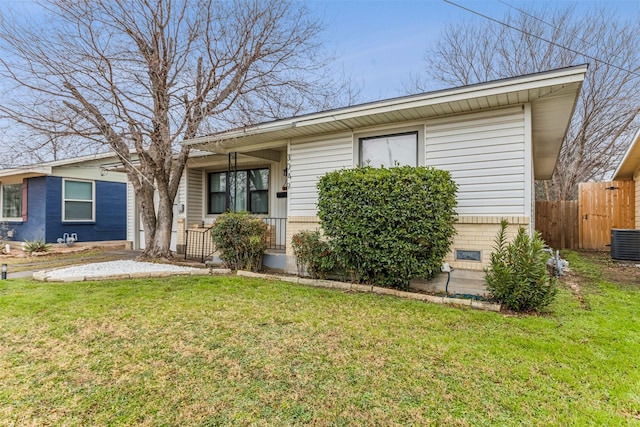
<point>234,351</point>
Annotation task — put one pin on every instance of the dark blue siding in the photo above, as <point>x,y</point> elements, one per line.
<point>111,213</point>
<point>44,220</point>
<point>34,227</point>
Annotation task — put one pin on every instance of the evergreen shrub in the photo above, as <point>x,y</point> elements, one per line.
<point>388,225</point>
<point>241,240</point>
<point>518,276</point>
<point>313,254</point>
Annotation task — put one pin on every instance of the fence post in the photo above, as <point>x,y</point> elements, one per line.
<point>186,243</point>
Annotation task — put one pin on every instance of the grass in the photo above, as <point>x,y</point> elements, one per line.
<point>206,351</point>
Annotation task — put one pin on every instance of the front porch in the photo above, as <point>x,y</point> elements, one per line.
<point>199,246</point>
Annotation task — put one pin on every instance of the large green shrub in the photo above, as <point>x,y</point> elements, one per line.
<point>388,225</point>
<point>313,254</point>
<point>240,240</point>
<point>518,277</point>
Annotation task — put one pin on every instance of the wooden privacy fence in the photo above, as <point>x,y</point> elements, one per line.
<point>557,222</point>
<point>586,223</point>
<point>604,206</point>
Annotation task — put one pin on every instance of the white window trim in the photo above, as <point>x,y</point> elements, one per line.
<point>420,129</point>
<point>65,200</point>
<point>9,219</point>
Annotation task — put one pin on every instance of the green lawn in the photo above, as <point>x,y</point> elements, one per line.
<point>234,351</point>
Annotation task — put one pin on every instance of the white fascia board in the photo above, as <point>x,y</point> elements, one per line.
<point>27,171</point>
<point>253,130</point>
<point>452,95</point>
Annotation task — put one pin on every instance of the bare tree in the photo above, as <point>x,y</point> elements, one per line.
<point>139,76</point>
<point>533,41</point>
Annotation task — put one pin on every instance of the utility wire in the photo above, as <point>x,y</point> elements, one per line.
<point>497,21</point>
<point>524,12</point>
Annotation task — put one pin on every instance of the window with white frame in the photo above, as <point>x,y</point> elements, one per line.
<point>11,201</point>
<point>389,150</point>
<point>78,200</point>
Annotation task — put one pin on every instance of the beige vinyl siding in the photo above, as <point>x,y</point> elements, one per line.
<point>307,163</point>
<point>636,178</point>
<point>195,192</point>
<point>485,153</point>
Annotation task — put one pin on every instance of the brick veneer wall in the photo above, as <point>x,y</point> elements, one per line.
<point>473,233</point>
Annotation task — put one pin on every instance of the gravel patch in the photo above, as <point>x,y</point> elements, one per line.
<point>116,268</point>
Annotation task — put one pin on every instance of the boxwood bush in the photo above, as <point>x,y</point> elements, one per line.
<point>388,225</point>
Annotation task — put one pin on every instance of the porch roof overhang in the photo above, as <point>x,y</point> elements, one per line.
<point>25,172</point>
<point>631,160</point>
<point>552,95</point>
<point>47,168</point>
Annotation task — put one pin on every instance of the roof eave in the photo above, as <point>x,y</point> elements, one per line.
<point>26,172</point>
<point>630,161</point>
<point>280,128</point>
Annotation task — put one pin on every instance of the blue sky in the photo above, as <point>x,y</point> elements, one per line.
<point>380,42</point>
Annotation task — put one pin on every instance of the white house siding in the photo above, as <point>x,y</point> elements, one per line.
<point>485,153</point>
<point>132,226</point>
<point>308,161</point>
<point>195,189</point>
<point>277,180</point>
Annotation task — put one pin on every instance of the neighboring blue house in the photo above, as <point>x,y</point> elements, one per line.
<point>67,197</point>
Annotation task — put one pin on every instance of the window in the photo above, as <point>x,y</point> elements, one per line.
<point>11,201</point>
<point>390,150</point>
<point>468,255</point>
<point>246,190</point>
<point>78,200</point>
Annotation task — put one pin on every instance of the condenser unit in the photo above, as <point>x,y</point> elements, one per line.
<point>625,244</point>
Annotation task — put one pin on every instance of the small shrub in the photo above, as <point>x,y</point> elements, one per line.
<point>518,277</point>
<point>39,245</point>
<point>313,255</point>
<point>241,240</point>
<point>388,225</point>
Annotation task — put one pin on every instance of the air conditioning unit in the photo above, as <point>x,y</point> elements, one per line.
<point>625,244</point>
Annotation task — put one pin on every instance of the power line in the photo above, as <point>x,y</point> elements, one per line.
<point>497,21</point>
<point>524,12</point>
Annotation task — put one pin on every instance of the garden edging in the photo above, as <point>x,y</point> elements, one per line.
<point>480,305</point>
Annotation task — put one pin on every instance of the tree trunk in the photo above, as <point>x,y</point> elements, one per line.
<point>160,247</point>
<point>156,221</point>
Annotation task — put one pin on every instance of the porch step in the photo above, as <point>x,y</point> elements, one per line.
<point>274,260</point>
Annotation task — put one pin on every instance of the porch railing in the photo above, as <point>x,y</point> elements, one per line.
<point>198,243</point>
<point>276,232</point>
